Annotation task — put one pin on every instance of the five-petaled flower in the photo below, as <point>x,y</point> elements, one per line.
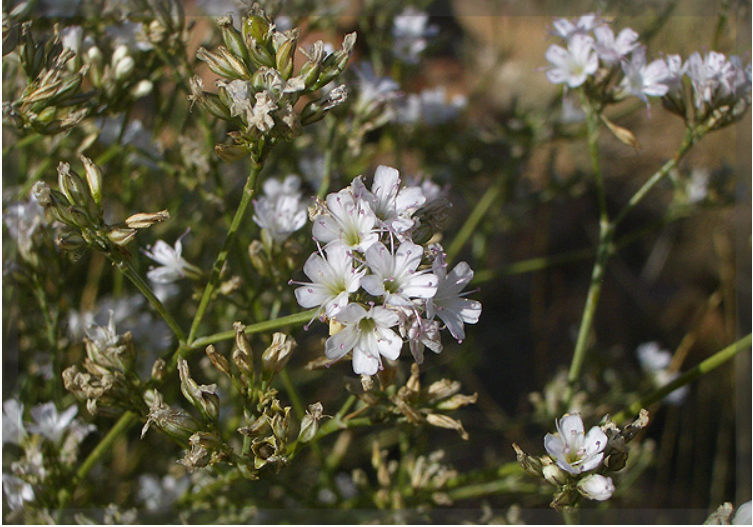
<point>573,450</point>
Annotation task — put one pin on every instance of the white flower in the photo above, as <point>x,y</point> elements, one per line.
<point>158,494</point>
<point>13,426</point>
<point>573,450</point>
<point>333,279</point>
<point>172,266</point>
<point>280,211</point>
<point>743,514</point>
<point>715,79</point>
<point>104,337</point>
<point>391,204</point>
<point>644,80</point>
<point>373,91</point>
<point>448,303</point>
<point>368,335</point>
<point>596,487</point>
<point>17,491</point>
<point>347,221</point>
<point>430,107</point>
<point>574,64</point>
<point>582,26</point>
<point>421,334</point>
<point>652,358</point>
<point>49,423</point>
<point>22,220</point>
<point>655,361</point>
<point>675,72</point>
<point>395,276</point>
<point>410,31</point>
<point>72,37</point>
<point>611,50</point>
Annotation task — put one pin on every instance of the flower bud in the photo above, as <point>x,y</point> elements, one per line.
<point>215,62</point>
<point>144,220</point>
<point>443,421</point>
<point>232,38</point>
<point>276,356</point>
<point>159,369</point>
<point>218,361</point>
<point>124,68</point>
<point>73,186</point>
<point>596,487</point>
<point>531,465</point>
<point>142,89</point>
<point>121,236</point>
<point>256,28</point>
<point>285,53</point>
<point>310,422</point>
<point>70,241</point>
<point>237,66</point>
<point>204,398</point>
<point>173,421</point>
<point>554,475</point>
<point>457,401</point>
<point>93,178</point>
<point>230,153</point>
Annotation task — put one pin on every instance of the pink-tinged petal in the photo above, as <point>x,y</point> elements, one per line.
<point>341,343</point>
<point>315,267</point>
<point>590,462</point>
<point>385,317</point>
<point>351,314</point>
<point>336,305</point>
<point>325,229</point>
<point>409,199</point>
<point>596,441</point>
<point>407,257</point>
<point>373,285</point>
<point>364,363</point>
<point>389,344</point>
<point>554,445</point>
<point>421,286</point>
<point>557,55</point>
<point>570,426</point>
<point>311,295</point>
<point>453,322</point>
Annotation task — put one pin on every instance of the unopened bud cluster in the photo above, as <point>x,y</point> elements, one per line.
<point>258,87</point>
<point>578,463</point>
<point>106,380</point>
<point>51,101</point>
<point>78,206</point>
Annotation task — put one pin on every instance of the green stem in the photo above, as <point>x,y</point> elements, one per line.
<point>571,515</point>
<point>692,136</point>
<point>144,288</point>
<point>260,327</point>
<point>328,161</point>
<point>477,214</point>
<point>592,129</point>
<point>689,376</point>
<point>127,420</point>
<point>248,192</point>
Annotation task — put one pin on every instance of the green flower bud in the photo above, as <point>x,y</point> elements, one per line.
<point>93,178</point>
<point>277,355</point>
<point>256,28</point>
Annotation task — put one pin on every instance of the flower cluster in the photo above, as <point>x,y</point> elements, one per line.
<point>578,460</point>
<point>78,205</point>
<point>410,31</point>
<point>257,88</point>
<point>616,67</point>
<point>280,211</point>
<point>374,283</point>
<point>50,434</point>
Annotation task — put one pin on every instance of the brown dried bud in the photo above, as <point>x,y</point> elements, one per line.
<point>218,361</point>
<point>277,355</point>
<point>443,421</point>
<point>144,220</point>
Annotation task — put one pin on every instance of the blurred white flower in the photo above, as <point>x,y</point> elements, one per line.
<point>644,80</point>
<point>161,494</point>
<point>610,49</point>
<point>574,64</point>
<point>17,491</point>
<point>50,424</point>
<point>430,107</point>
<point>596,487</point>
<point>654,361</point>
<point>574,450</point>
<point>410,30</point>
<point>368,335</point>
<point>13,427</point>
<point>374,93</point>
<point>743,515</point>
<point>280,211</point>
<point>173,266</point>
<point>567,29</point>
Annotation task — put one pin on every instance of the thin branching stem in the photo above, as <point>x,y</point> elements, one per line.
<point>248,192</point>
<point>689,376</point>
